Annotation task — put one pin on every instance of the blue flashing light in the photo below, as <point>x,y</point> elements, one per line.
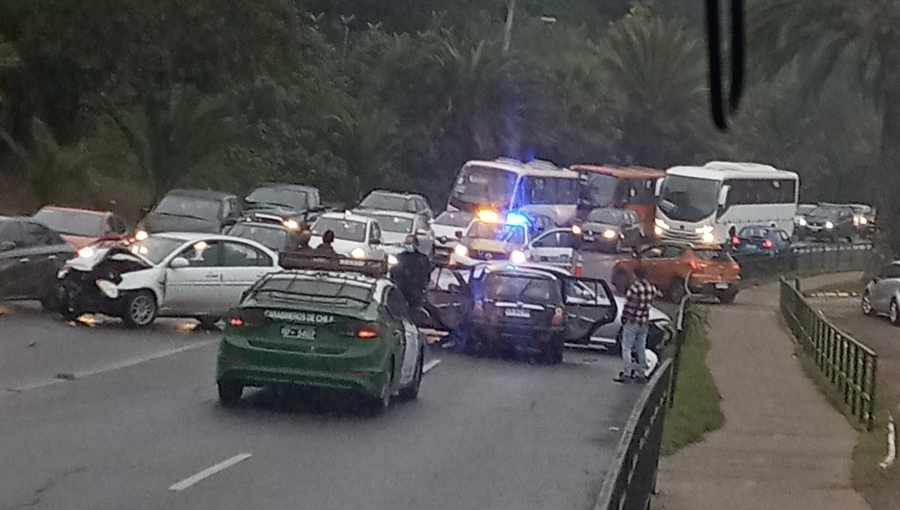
<point>515,218</point>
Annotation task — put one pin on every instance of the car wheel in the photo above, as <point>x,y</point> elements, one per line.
<point>894,314</point>
<point>620,281</point>
<point>230,392</point>
<point>411,392</point>
<point>867,304</point>
<point>553,353</point>
<point>727,297</point>
<point>676,290</point>
<point>139,309</point>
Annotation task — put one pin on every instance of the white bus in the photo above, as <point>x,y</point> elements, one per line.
<point>700,205</point>
<point>537,187</point>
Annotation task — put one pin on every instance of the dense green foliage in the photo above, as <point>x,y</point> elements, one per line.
<point>133,98</point>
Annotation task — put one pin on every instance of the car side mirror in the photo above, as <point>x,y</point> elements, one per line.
<point>145,209</point>
<point>179,263</point>
<point>7,246</point>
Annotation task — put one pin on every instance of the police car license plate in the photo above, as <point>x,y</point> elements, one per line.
<point>518,312</point>
<point>723,286</point>
<point>299,332</point>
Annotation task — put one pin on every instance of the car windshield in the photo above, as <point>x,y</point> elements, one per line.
<point>689,198</point>
<point>484,185</point>
<point>343,228</point>
<point>607,216</point>
<point>189,207</point>
<point>520,288</point>
<point>71,222</point>
<point>803,209</point>
<point>823,212</point>
<point>268,236</point>
<point>285,197</point>
<point>155,248</point>
<point>714,255</point>
<point>395,224</point>
<point>507,233</point>
<point>454,219</point>
<point>311,288</point>
<point>749,232</point>
<point>387,202</point>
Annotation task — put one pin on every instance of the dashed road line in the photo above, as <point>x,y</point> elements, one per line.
<point>206,473</point>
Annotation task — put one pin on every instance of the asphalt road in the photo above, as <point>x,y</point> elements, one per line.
<point>100,417</point>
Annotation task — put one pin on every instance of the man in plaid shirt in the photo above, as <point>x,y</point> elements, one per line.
<point>635,326</point>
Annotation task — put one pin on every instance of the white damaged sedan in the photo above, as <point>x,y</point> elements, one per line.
<point>167,275</point>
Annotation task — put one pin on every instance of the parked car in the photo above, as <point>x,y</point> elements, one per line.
<point>184,210</point>
<point>30,256</point>
<point>610,230</point>
<point>271,235</point>
<point>494,240</point>
<point>803,211</point>
<point>830,223</point>
<point>882,294</point>
<point>169,275</point>
<point>448,229</point>
<point>323,325</point>
<point>82,227</point>
<point>864,219</point>
<point>707,270</point>
<point>559,247</point>
<point>396,226</point>
<point>761,240</point>
<point>527,308</point>
<point>383,200</point>
<point>289,204</point>
<point>355,236</point>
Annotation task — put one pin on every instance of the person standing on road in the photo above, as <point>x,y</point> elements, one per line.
<point>635,326</point>
<point>325,249</point>
<point>411,274</point>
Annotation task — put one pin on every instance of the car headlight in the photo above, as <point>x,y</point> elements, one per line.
<point>517,257</point>
<point>658,231</point>
<point>829,225</point>
<point>141,235</point>
<point>358,253</point>
<point>661,224</point>
<point>708,237</point>
<point>392,260</point>
<point>85,252</point>
<point>108,288</point>
<point>291,224</point>
<point>610,234</point>
<point>461,250</point>
<point>863,220</point>
<point>801,222</point>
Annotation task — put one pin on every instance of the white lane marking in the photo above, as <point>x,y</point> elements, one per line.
<point>892,445</point>
<point>430,365</point>
<point>109,368</point>
<point>206,473</point>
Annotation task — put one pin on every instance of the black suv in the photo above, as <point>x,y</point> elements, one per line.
<point>283,203</point>
<point>523,309</point>
<point>185,210</point>
<point>829,223</point>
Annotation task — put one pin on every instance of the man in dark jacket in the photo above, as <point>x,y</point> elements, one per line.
<point>411,274</point>
<point>325,249</point>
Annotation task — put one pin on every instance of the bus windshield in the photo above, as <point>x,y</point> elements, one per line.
<point>484,185</point>
<point>689,198</point>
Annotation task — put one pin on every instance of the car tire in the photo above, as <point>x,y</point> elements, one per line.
<point>894,314</point>
<point>139,309</point>
<point>553,353</point>
<point>620,281</point>
<point>411,392</point>
<point>230,392</point>
<point>676,291</point>
<point>866,304</point>
<point>727,297</point>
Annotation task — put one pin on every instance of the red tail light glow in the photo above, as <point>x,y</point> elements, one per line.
<point>698,266</point>
<point>767,244</point>
<point>365,330</point>
<point>735,241</point>
<point>236,322</point>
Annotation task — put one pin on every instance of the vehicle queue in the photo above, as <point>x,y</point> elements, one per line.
<point>511,245</point>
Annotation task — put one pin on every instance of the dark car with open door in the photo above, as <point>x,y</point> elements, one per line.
<point>530,309</point>
<point>30,257</point>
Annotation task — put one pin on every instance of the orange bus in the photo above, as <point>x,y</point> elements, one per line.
<point>631,187</point>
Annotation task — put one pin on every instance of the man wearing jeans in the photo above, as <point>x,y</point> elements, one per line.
<point>635,326</point>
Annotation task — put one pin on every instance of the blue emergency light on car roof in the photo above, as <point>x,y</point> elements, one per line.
<point>515,218</point>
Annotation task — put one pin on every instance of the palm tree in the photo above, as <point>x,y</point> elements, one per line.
<point>856,40</point>
<point>174,134</point>
<point>52,170</point>
<point>364,139</point>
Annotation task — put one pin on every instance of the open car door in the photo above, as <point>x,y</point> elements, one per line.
<point>449,298</point>
<point>589,304</point>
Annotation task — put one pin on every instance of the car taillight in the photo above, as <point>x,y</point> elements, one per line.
<point>735,266</point>
<point>767,244</point>
<point>242,318</point>
<point>696,265</point>
<point>235,322</point>
<point>364,330</point>
<point>735,241</point>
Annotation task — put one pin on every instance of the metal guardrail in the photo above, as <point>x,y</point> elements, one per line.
<point>847,363</point>
<point>807,260</point>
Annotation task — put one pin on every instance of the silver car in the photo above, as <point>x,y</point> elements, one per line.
<point>882,294</point>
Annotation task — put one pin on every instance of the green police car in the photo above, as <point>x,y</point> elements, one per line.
<point>332,323</point>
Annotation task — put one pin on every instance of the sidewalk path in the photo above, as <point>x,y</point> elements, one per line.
<point>783,446</point>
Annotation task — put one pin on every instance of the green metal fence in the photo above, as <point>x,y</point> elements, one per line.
<point>843,360</point>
